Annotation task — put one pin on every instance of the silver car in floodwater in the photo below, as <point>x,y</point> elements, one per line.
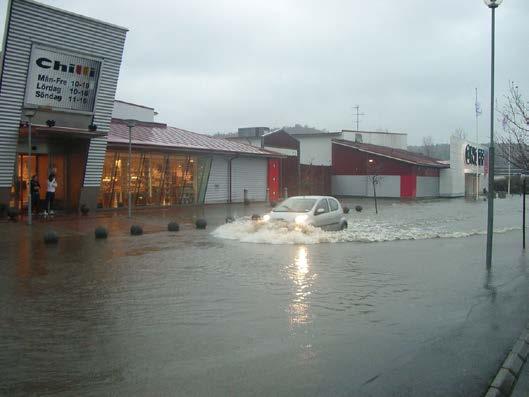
<point>321,211</point>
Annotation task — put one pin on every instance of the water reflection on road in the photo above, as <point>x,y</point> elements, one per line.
<point>303,280</point>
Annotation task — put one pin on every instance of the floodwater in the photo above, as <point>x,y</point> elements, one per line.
<point>213,313</point>
<point>397,221</point>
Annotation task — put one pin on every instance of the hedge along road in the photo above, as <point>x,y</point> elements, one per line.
<point>191,313</point>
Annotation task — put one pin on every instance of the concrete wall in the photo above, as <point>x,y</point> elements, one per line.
<point>315,150</point>
<point>388,186</point>
<point>349,185</point>
<point>362,185</point>
<point>397,141</point>
<point>448,186</point>
<point>124,110</point>
<point>427,186</point>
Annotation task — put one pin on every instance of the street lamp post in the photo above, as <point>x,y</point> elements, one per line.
<point>29,112</point>
<point>492,4</point>
<point>130,124</point>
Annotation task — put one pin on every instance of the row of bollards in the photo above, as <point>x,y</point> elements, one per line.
<point>101,232</point>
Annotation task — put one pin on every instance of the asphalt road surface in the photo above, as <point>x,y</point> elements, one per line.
<point>399,305</point>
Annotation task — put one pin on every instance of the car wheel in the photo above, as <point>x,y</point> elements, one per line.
<point>343,226</point>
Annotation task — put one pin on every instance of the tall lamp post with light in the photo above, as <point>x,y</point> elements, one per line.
<point>29,112</point>
<point>130,125</point>
<point>492,4</point>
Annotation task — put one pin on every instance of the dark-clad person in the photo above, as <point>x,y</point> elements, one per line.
<point>34,187</point>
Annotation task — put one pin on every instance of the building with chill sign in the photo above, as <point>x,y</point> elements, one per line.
<point>66,70</point>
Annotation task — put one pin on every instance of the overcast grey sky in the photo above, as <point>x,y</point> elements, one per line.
<point>215,65</point>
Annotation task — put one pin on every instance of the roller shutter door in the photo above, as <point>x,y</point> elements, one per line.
<point>251,174</point>
<point>217,190</point>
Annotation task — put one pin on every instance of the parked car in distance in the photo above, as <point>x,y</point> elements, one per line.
<point>321,211</point>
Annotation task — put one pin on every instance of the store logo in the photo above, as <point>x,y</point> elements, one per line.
<point>473,155</point>
<point>81,70</point>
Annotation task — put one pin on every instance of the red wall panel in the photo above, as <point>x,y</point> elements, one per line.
<point>273,179</point>
<point>408,185</point>
<point>349,161</point>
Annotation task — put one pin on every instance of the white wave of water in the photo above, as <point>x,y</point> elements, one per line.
<point>248,231</point>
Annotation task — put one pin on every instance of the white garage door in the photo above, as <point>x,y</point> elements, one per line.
<point>251,174</point>
<point>217,190</point>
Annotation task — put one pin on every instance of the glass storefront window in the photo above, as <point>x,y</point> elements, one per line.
<point>158,179</point>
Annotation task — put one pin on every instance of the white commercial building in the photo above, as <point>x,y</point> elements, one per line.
<point>468,169</point>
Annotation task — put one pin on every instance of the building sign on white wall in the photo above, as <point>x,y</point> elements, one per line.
<point>62,81</point>
<point>474,155</point>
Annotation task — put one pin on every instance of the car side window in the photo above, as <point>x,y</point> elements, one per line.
<point>322,204</point>
<point>333,204</point>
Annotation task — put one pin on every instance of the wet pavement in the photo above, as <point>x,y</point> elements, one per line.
<point>400,304</point>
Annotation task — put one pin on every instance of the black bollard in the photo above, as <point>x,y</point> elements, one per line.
<point>51,237</point>
<point>201,223</point>
<point>84,209</point>
<point>173,227</point>
<point>358,208</point>
<point>136,230</point>
<point>100,232</point>
<point>13,213</point>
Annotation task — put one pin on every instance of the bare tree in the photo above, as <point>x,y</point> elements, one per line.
<point>459,133</point>
<point>515,121</point>
<point>375,180</point>
<point>428,145</point>
<point>374,177</point>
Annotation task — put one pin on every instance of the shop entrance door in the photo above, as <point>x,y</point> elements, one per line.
<point>69,169</point>
<point>470,185</point>
<point>39,165</point>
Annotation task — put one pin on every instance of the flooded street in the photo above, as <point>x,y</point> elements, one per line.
<point>399,304</point>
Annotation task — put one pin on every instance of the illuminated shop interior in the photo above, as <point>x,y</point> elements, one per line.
<point>157,179</point>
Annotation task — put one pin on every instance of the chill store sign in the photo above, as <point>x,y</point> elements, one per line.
<point>60,80</point>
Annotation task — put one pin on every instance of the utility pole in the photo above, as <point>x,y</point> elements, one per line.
<point>358,114</point>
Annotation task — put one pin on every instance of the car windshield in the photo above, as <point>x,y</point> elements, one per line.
<point>295,205</point>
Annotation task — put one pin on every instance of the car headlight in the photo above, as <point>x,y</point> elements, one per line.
<point>300,219</point>
<point>266,218</point>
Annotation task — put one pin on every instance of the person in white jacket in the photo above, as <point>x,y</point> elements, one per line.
<point>50,194</point>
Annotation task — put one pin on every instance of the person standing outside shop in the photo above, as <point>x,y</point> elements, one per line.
<point>34,187</point>
<point>50,193</point>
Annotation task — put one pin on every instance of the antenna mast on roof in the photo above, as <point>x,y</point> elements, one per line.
<point>357,108</point>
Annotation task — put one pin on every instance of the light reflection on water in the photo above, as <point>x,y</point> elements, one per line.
<point>303,280</point>
<point>299,309</point>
